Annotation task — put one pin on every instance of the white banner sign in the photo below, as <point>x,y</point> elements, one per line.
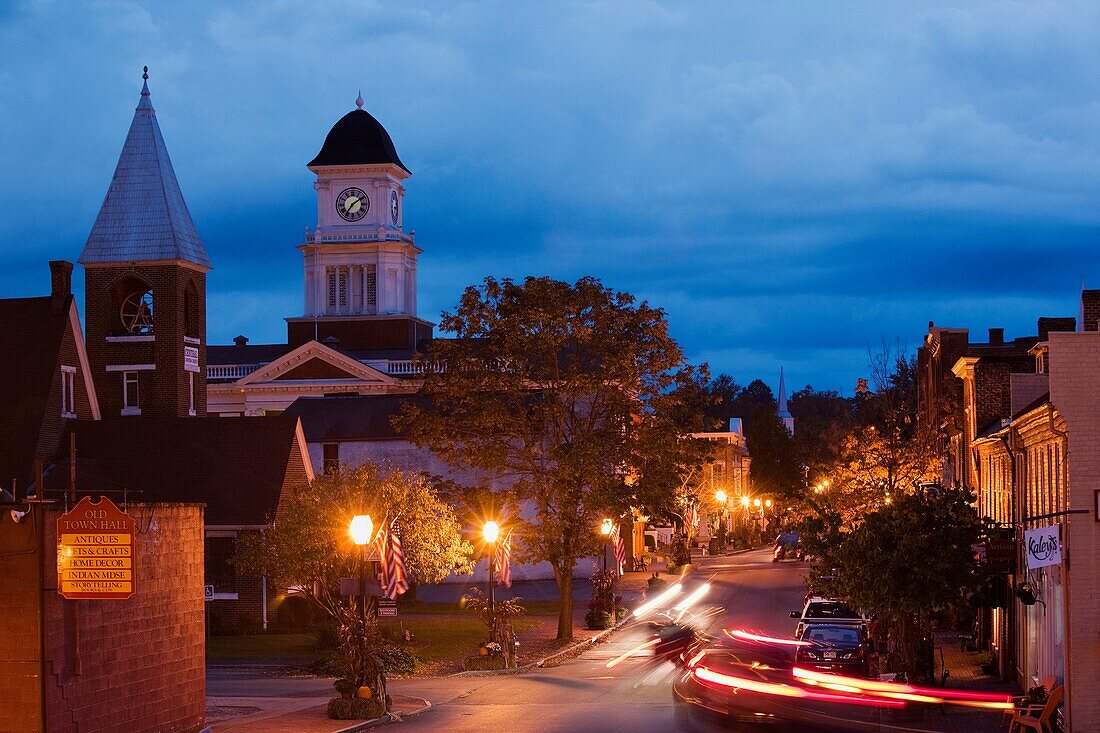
<point>1042,547</point>
<point>190,358</point>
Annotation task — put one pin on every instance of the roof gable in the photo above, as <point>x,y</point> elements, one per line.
<point>315,361</point>
<point>238,467</point>
<point>144,216</point>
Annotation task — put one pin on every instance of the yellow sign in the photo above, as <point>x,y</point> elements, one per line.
<point>95,551</point>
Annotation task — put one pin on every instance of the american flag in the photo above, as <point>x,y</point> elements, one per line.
<point>691,518</point>
<point>619,546</point>
<point>395,580</point>
<point>504,560</point>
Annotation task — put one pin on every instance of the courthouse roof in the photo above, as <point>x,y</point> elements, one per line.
<point>353,418</point>
<point>358,139</point>
<point>144,216</point>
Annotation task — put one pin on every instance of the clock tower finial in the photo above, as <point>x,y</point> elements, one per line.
<point>359,100</point>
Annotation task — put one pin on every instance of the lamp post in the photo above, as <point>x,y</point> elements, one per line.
<point>362,527</point>
<point>491,531</point>
<point>722,497</point>
<point>605,530</point>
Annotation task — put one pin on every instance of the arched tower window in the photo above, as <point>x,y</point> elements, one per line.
<point>134,305</point>
<point>191,310</point>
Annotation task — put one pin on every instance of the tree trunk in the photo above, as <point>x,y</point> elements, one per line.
<point>564,577</point>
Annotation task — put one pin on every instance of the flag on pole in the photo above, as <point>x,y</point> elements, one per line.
<point>394,580</point>
<point>691,518</point>
<point>504,560</point>
<point>619,546</point>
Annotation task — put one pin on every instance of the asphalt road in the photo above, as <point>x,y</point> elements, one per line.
<point>747,591</point>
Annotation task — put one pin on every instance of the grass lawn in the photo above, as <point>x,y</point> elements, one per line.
<point>434,639</point>
<point>533,608</point>
<point>264,646</point>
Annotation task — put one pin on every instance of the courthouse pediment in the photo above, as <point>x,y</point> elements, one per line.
<point>315,361</point>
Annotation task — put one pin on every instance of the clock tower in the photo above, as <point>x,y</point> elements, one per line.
<point>145,285</point>
<point>359,263</point>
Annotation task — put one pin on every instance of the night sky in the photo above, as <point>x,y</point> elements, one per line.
<point>792,182</point>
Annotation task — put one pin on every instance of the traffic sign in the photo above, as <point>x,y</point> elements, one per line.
<point>95,551</point>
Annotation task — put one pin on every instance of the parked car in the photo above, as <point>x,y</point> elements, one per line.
<point>834,648</point>
<point>821,610</point>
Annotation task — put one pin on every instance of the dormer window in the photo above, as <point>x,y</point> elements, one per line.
<point>68,391</point>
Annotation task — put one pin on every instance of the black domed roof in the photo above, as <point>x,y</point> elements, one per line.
<point>358,139</point>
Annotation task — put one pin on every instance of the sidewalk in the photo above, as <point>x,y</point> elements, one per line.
<point>292,715</point>
<point>965,674</point>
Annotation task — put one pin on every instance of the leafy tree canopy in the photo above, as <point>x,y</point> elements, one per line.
<point>309,546</point>
<point>574,393</point>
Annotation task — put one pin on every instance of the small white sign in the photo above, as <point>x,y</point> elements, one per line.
<point>191,359</point>
<point>1043,547</point>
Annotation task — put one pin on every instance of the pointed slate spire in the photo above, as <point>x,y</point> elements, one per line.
<point>783,413</point>
<point>144,216</point>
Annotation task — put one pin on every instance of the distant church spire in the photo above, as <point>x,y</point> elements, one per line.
<point>783,413</point>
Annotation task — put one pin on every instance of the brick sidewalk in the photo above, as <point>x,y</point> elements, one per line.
<point>302,716</point>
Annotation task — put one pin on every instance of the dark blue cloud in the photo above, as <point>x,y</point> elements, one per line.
<point>792,182</point>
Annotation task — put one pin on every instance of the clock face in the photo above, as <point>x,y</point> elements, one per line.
<point>393,207</point>
<point>352,204</point>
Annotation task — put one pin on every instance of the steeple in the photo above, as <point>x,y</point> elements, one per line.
<point>783,413</point>
<point>144,217</point>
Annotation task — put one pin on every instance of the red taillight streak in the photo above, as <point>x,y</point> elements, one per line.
<point>720,679</point>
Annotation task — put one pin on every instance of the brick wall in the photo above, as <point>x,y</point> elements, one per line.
<point>1090,307</point>
<point>1074,386</point>
<point>163,391</point>
<point>20,609</point>
<point>397,332</point>
<point>139,664</point>
<point>1026,388</point>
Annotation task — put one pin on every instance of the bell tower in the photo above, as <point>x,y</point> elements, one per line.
<point>145,284</point>
<point>359,263</point>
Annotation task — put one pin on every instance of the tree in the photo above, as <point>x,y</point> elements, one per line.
<point>309,548</point>
<point>572,393</point>
<point>903,562</point>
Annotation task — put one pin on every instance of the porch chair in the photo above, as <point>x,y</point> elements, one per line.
<point>1020,702</point>
<point>1041,722</point>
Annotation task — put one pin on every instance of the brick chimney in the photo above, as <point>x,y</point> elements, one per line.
<point>996,336</point>
<point>1047,325</point>
<point>1090,309</point>
<point>61,283</point>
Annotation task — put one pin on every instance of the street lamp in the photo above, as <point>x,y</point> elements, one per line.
<point>721,496</point>
<point>745,501</point>
<point>491,531</point>
<point>605,529</point>
<point>362,527</point>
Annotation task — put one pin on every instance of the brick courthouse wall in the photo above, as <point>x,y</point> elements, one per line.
<point>135,665</point>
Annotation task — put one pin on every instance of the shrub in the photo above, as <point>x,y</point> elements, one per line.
<point>354,708</point>
<point>328,635</point>
<point>481,662</point>
<point>596,619</point>
<point>395,660</point>
<point>294,612</point>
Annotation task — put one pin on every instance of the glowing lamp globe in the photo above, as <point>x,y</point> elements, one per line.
<point>362,527</point>
<point>491,531</point>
